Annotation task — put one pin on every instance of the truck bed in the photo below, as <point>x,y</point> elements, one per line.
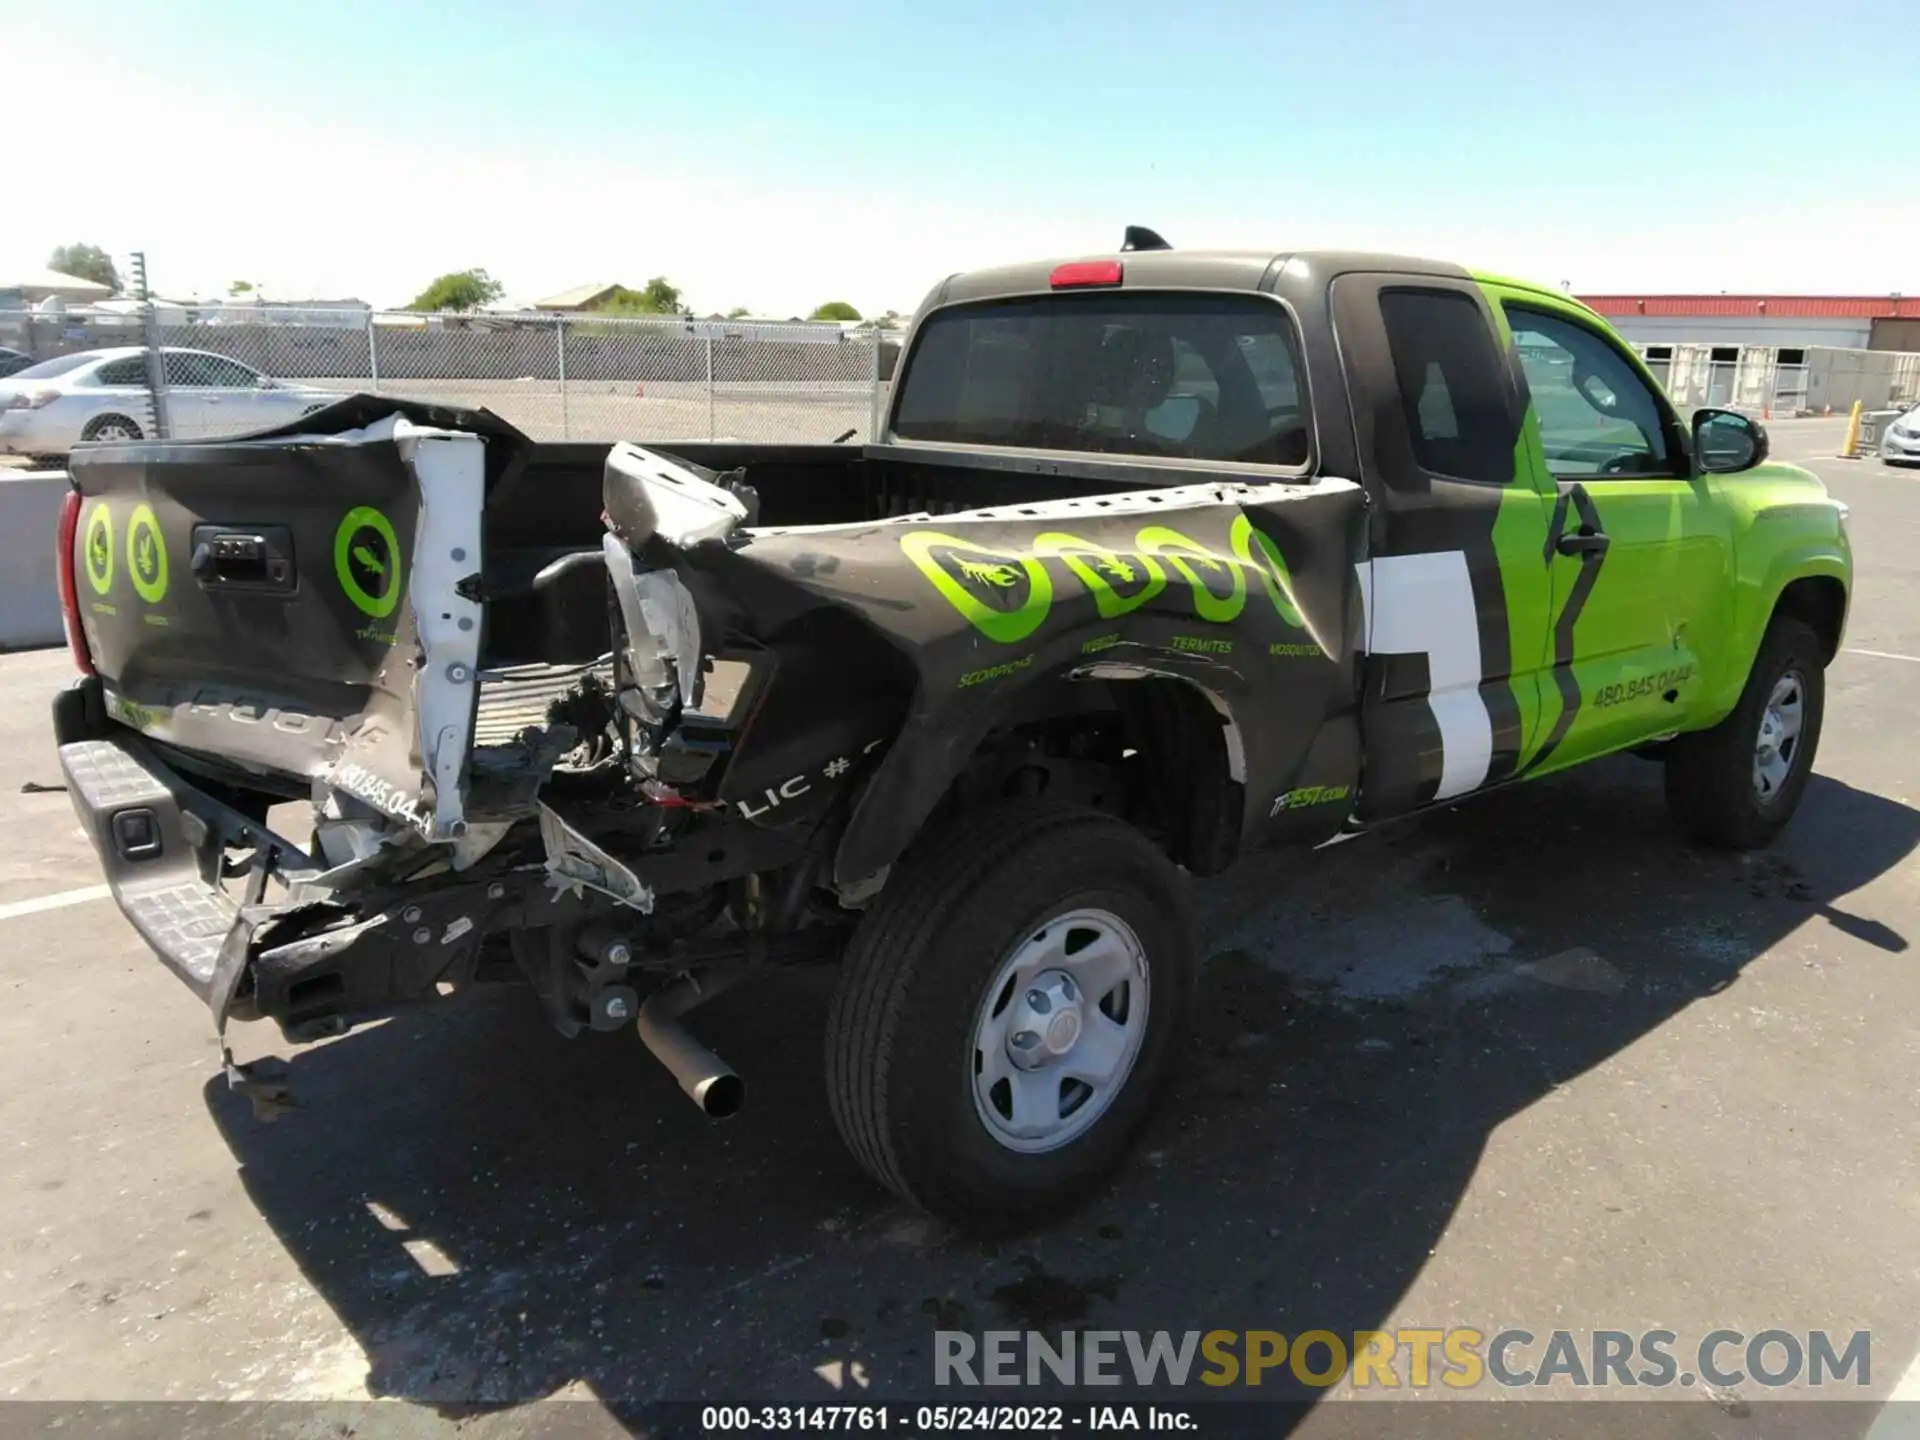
<point>549,505</point>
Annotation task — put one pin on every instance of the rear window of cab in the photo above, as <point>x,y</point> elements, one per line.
<point>1178,375</point>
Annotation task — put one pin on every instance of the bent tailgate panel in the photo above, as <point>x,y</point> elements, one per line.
<point>316,661</point>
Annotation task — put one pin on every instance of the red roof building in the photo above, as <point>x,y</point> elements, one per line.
<point>1798,307</point>
<point>1855,322</point>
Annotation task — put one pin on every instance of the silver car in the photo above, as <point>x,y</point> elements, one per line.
<point>1900,441</point>
<point>47,409</point>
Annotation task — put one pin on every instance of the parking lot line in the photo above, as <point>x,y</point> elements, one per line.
<point>59,900</point>
<point>1899,1418</point>
<point>1884,655</point>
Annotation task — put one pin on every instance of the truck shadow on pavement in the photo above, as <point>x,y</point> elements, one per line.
<point>497,1214</point>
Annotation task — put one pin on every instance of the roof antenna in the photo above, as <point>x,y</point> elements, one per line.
<point>1139,237</point>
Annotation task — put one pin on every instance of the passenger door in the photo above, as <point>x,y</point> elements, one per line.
<point>1456,587</point>
<point>1642,554</point>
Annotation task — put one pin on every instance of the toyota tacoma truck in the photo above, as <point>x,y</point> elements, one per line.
<point>1158,557</point>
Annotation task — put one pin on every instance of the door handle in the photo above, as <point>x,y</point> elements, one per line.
<point>1582,542</point>
<point>1586,539</point>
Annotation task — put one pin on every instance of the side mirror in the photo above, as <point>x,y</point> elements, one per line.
<point>1726,442</point>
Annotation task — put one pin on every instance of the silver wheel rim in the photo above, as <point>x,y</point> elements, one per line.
<point>1778,745</point>
<point>113,431</point>
<point>1059,1031</point>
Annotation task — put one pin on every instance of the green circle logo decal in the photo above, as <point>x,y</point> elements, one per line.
<point>1119,581</point>
<point>1256,548</point>
<point>1004,594</point>
<point>366,559</point>
<point>1202,570</point>
<point>147,556</point>
<point>100,549</point>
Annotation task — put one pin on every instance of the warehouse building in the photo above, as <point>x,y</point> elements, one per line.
<point>1784,353</point>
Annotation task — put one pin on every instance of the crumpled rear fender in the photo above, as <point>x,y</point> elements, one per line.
<point>1246,592</point>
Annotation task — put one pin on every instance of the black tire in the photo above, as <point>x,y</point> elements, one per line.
<point>900,1051</point>
<point>101,422</point>
<point>1710,773</point>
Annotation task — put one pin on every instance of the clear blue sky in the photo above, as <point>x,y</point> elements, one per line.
<point>867,149</point>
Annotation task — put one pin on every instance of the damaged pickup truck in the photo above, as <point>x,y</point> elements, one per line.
<point>1159,557</point>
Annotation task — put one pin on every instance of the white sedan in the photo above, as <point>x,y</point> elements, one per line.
<point>102,395</point>
<point>1900,441</point>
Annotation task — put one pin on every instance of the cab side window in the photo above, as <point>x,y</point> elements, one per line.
<point>131,371</point>
<point>1598,418</point>
<point>1451,383</point>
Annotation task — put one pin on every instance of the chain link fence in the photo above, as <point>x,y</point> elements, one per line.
<point>227,369</point>
<point>223,368</point>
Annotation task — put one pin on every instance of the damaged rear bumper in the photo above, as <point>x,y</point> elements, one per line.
<point>174,855</point>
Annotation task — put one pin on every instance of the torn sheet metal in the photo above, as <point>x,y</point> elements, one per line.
<point>575,864</point>
<point>450,471</point>
<point>662,634</point>
<point>652,494</point>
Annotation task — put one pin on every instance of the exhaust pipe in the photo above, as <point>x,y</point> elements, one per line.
<point>706,1078</point>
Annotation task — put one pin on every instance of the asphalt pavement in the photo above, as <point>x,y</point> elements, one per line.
<point>1530,1062</point>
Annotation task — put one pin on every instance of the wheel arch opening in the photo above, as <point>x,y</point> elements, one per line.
<point>1820,603</point>
<point>1159,750</point>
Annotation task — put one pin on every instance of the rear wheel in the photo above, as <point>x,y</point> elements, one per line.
<point>110,428</point>
<point>1739,783</point>
<point>1009,1010</point>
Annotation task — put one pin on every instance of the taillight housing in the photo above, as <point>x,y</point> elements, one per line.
<point>40,399</point>
<point>68,532</point>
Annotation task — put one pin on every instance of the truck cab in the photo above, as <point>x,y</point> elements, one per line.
<point>1555,566</point>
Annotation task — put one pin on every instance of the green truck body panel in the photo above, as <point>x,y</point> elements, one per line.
<point>1785,530</point>
<point>1694,574</point>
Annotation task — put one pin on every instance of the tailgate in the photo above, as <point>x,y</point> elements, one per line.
<point>299,607</point>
